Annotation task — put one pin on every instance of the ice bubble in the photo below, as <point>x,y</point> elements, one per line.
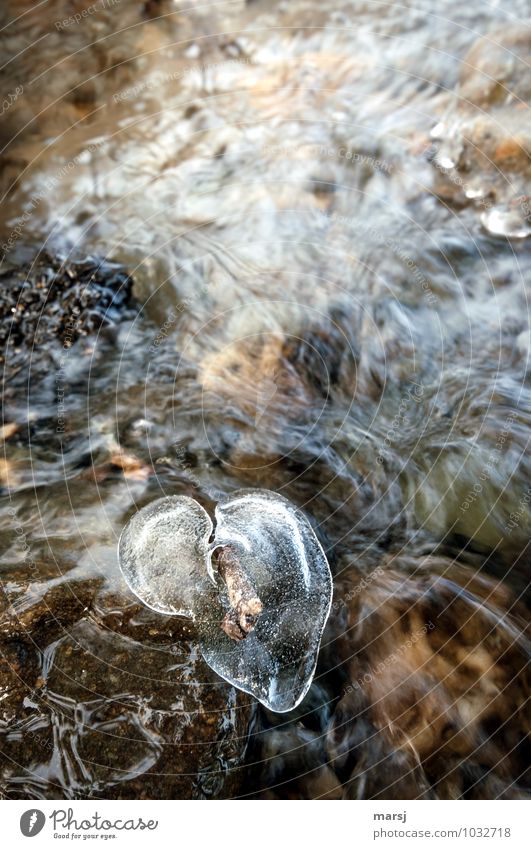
<point>164,554</point>
<point>509,223</point>
<point>260,592</point>
<point>278,551</point>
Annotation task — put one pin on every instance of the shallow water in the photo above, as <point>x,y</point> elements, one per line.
<point>325,213</point>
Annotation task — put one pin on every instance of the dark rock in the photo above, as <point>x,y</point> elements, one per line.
<point>56,300</point>
<point>103,698</point>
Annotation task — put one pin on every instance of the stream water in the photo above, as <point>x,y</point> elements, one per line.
<point>324,211</point>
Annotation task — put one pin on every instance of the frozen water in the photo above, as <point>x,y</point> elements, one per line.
<point>284,561</point>
<point>164,554</point>
<point>166,544</point>
<point>510,223</point>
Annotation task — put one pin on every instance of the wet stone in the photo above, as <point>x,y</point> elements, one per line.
<point>483,145</point>
<point>53,301</point>
<point>495,68</point>
<point>102,700</point>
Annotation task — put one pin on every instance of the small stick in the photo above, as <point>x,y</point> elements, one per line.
<point>245,605</point>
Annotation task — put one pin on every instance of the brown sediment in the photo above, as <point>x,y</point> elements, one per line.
<point>246,606</point>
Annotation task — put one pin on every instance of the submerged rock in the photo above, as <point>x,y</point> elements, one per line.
<point>484,143</point>
<point>433,704</point>
<point>53,301</point>
<point>99,701</point>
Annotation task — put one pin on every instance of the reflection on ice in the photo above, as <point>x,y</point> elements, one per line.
<point>260,593</point>
<point>510,223</point>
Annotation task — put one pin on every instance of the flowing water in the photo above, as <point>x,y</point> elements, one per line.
<point>325,212</point>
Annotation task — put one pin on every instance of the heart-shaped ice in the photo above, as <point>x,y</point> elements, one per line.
<point>259,591</point>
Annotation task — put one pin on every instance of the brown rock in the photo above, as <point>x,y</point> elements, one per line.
<point>104,698</point>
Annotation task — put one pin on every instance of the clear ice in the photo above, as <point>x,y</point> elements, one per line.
<point>510,223</point>
<point>169,563</point>
<point>164,554</point>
